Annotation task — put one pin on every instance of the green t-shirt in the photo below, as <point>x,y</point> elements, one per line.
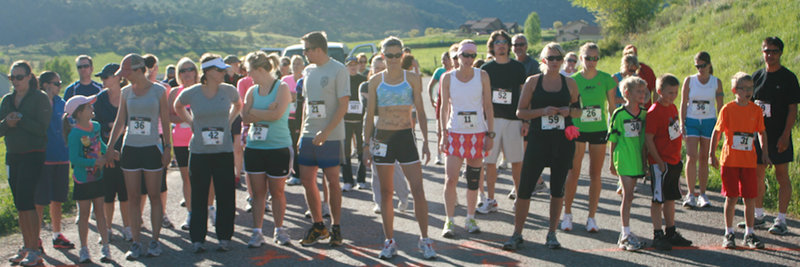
<point>627,130</point>
<point>593,101</point>
<point>438,73</point>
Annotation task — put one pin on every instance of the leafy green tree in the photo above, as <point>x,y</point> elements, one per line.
<point>533,28</point>
<point>622,16</point>
<point>413,33</point>
<point>62,66</point>
<point>557,24</point>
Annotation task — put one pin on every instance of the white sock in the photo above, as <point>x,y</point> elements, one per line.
<point>210,207</point>
<point>257,230</point>
<point>55,235</point>
<point>626,230</point>
<point>470,216</point>
<point>728,230</point>
<point>450,219</point>
<point>759,213</point>
<point>567,215</point>
<point>747,230</point>
<point>782,217</point>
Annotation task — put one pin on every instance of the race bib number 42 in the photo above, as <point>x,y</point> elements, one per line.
<point>743,141</point>
<point>316,109</point>
<point>468,119</point>
<point>633,127</point>
<point>213,135</point>
<point>553,122</point>
<point>591,114</point>
<point>501,96</point>
<point>139,126</point>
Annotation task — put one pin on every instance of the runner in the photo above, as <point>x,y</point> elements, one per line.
<point>298,64</point>
<point>433,90</point>
<point>151,72</point>
<point>629,66</point>
<point>701,100</point>
<point>182,133</point>
<point>777,93</point>
<point>548,100</point>
<point>326,91</point>
<point>362,64</point>
<point>507,76</point>
<point>142,105</point>
<point>467,123</point>
<point>84,85</point>
<point>26,113</point>
<point>570,66</point>
<point>627,152</point>
<point>645,72</point>
<point>53,186</point>
<point>663,142</point>
<point>268,154</point>
<point>87,158</point>
<point>353,124</point>
<point>597,98</point>
<point>215,105</point>
<point>739,120</point>
<point>520,44</point>
<point>392,140</point>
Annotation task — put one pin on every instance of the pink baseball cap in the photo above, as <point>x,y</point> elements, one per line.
<point>76,101</point>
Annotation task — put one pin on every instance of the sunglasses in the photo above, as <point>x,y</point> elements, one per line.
<point>700,66</point>
<point>57,84</point>
<point>519,44</point>
<point>396,55</point>
<point>591,58</point>
<point>501,41</point>
<point>84,66</point>
<point>307,49</point>
<point>465,55</point>
<point>18,77</point>
<point>555,58</point>
<point>187,70</point>
<point>771,51</point>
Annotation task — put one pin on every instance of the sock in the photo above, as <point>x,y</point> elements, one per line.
<point>670,231</point>
<point>760,213</point>
<point>470,216</point>
<point>319,225</point>
<point>782,217</point>
<point>567,215</point>
<point>257,230</point>
<point>748,230</point>
<point>210,207</point>
<point>449,219</point>
<point>626,230</point>
<point>728,230</point>
<point>55,235</point>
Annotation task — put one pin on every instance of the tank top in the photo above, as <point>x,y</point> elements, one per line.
<point>399,94</point>
<point>702,98</point>
<point>269,134</point>
<point>541,99</point>
<point>143,116</point>
<point>466,100</point>
<point>181,132</point>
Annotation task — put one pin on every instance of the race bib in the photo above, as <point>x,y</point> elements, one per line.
<point>553,122</point>
<point>354,107</point>
<point>591,113</point>
<point>379,149</point>
<point>468,119</point>
<point>316,109</point>
<point>743,141</point>
<point>766,108</point>
<point>292,108</point>
<point>258,131</point>
<point>139,126</point>
<point>633,127</point>
<point>501,96</point>
<point>213,135</point>
<point>700,107</point>
<point>674,130</point>
<point>184,125</point>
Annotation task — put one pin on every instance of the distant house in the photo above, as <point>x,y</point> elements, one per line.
<point>487,25</point>
<point>513,27</point>
<point>578,30</point>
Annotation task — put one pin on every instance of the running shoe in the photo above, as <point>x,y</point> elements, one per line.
<point>630,242</point>
<point>224,246</point>
<point>778,228</point>
<point>703,201</point>
<point>127,235</point>
<point>134,252</point>
<point>336,236</point>
<point>591,226</point>
<point>552,241</point>
<point>347,187</point>
<point>34,258</point>
<point>447,230</point>
<point>439,162</point>
<point>661,242</point>
<point>212,214</point>
<point>183,202</point>
<point>313,235</point>
<point>293,181</point>
<point>197,247</point>
<point>281,237</point>
<point>729,241</point>
<point>256,240</point>
<point>512,195</point>
<point>566,222</point>
<point>84,256</point>
<point>16,259</point>
<point>514,242</point>
<point>363,186</point>
<point>472,226</point>
<point>105,254</point>
<point>154,249</point>
<point>490,205</point>
<point>249,206</point>
<point>758,223</point>
<point>619,188</point>
<point>62,242</point>
<point>326,210</point>
<point>376,209</point>
<point>678,240</point>
<point>690,201</point>
<point>402,206</point>
<point>166,223</point>
<point>540,188</point>
<point>389,249</point>
<point>266,206</point>
<point>426,245</point>
<point>185,225</point>
<point>308,213</point>
<point>752,241</point>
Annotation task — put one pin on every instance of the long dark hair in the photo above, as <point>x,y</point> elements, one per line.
<point>32,83</point>
<point>705,57</point>
<point>46,77</point>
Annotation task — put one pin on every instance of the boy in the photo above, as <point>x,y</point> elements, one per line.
<point>627,151</point>
<point>663,140</point>
<point>739,120</point>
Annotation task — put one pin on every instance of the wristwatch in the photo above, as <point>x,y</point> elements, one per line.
<point>490,134</point>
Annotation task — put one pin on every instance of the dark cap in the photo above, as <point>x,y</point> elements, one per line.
<point>350,59</point>
<point>231,59</point>
<point>129,63</point>
<point>108,70</point>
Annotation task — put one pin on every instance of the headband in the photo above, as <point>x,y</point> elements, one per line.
<point>466,47</point>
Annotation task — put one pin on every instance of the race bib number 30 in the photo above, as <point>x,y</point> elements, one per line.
<point>743,141</point>
<point>258,131</point>
<point>501,96</point>
<point>139,126</point>
<point>766,108</point>
<point>468,119</point>
<point>316,109</point>
<point>591,114</point>
<point>633,127</point>
<point>553,122</point>
<point>213,135</point>
<point>354,107</point>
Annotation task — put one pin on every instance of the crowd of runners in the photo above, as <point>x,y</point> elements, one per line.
<point>279,121</point>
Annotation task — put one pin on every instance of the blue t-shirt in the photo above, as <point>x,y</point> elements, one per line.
<point>57,152</point>
<point>87,147</point>
<point>77,88</point>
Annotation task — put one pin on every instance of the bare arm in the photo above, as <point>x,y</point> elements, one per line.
<point>165,125</point>
<point>180,109</point>
<point>488,108</point>
<point>173,116</point>
<point>247,117</point>
<point>719,96</point>
<point>120,122</point>
<point>685,102</point>
<point>783,140</point>
<point>416,86</point>
<point>444,109</point>
<point>712,149</point>
<point>274,112</point>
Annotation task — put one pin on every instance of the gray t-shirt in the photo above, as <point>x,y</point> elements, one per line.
<point>211,128</point>
<point>322,88</point>
<point>143,116</point>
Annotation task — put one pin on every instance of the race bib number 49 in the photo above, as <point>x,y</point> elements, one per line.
<point>501,96</point>
<point>553,122</point>
<point>213,135</point>
<point>743,141</point>
<point>139,126</point>
<point>316,109</point>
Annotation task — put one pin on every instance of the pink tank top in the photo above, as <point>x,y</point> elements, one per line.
<point>181,133</point>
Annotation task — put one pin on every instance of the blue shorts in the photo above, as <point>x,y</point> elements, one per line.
<point>700,127</point>
<point>327,155</point>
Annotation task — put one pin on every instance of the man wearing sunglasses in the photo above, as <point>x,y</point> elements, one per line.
<point>520,44</point>
<point>84,85</point>
<point>506,76</point>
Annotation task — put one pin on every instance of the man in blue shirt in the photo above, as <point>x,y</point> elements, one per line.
<point>85,85</point>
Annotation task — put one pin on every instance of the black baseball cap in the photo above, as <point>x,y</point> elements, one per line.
<point>108,70</point>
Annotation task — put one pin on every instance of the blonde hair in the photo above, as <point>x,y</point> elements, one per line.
<point>629,83</point>
<point>259,59</point>
<point>549,46</point>
<point>570,54</point>
<point>628,60</point>
<point>179,66</point>
<point>588,46</point>
<point>740,77</point>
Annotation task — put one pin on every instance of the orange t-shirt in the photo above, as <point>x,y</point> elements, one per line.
<point>741,125</point>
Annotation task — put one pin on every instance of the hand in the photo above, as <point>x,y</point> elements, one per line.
<point>166,157</point>
<point>564,111</point>
<point>524,129</point>
<point>713,161</point>
<point>366,157</point>
<point>612,169</point>
<point>426,153</point>
<point>100,161</point>
<point>550,111</point>
<point>113,153</point>
<point>12,119</point>
<point>662,166</point>
<point>487,144</point>
<point>320,138</point>
<point>765,158</point>
<point>444,144</point>
<point>783,143</point>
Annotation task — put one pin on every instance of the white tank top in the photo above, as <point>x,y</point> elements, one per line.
<point>466,102</point>
<point>702,98</point>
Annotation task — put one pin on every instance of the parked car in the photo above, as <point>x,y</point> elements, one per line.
<point>336,50</point>
<point>270,50</point>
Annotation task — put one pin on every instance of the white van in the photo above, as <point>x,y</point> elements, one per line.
<point>336,50</point>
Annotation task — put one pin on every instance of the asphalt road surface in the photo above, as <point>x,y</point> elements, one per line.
<point>363,235</point>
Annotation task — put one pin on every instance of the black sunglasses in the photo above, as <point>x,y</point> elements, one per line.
<point>17,77</point>
<point>84,66</point>
<point>57,84</point>
<point>306,49</point>
<point>519,44</point>
<point>700,66</point>
<point>187,70</point>
<point>396,55</point>
<point>587,58</point>
<point>469,55</point>
<point>501,41</point>
<point>555,58</point>
<point>771,51</point>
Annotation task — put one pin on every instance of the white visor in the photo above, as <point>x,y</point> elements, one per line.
<point>217,62</point>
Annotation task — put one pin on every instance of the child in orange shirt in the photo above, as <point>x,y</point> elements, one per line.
<point>739,120</point>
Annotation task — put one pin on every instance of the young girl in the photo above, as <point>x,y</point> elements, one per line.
<point>86,156</point>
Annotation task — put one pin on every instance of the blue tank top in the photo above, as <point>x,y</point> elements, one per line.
<point>395,94</point>
<point>269,134</point>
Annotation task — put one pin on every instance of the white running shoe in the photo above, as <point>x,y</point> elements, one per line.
<point>154,249</point>
<point>84,255</point>
<point>703,201</point>
<point>690,201</point>
<point>105,254</point>
<point>566,222</point>
<point>389,249</point>
<point>426,245</point>
<point>281,237</point>
<point>630,242</point>
<point>490,205</point>
<point>212,214</point>
<point>591,226</point>
<point>293,181</point>
<point>347,187</point>
<point>256,240</point>
<point>472,226</point>
<point>126,234</point>
<point>402,206</point>
<point>376,209</point>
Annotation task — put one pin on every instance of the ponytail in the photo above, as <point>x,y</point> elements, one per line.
<point>66,123</point>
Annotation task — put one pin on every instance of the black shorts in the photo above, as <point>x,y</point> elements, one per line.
<point>53,185</point>
<point>666,186</point>
<point>236,127</point>
<point>88,191</point>
<point>24,171</point>
<point>275,163</point>
<point>400,147</point>
<point>593,138</point>
<point>141,158</point>
<point>114,182</point>
<point>181,155</point>
<point>772,145</point>
<point>163,183</point>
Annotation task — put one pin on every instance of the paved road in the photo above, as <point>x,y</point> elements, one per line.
<point>363,235</point>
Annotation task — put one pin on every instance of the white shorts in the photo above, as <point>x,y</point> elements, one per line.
<point>508,138</point>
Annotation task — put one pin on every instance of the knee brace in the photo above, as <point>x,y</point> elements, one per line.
<point>473,175</point>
